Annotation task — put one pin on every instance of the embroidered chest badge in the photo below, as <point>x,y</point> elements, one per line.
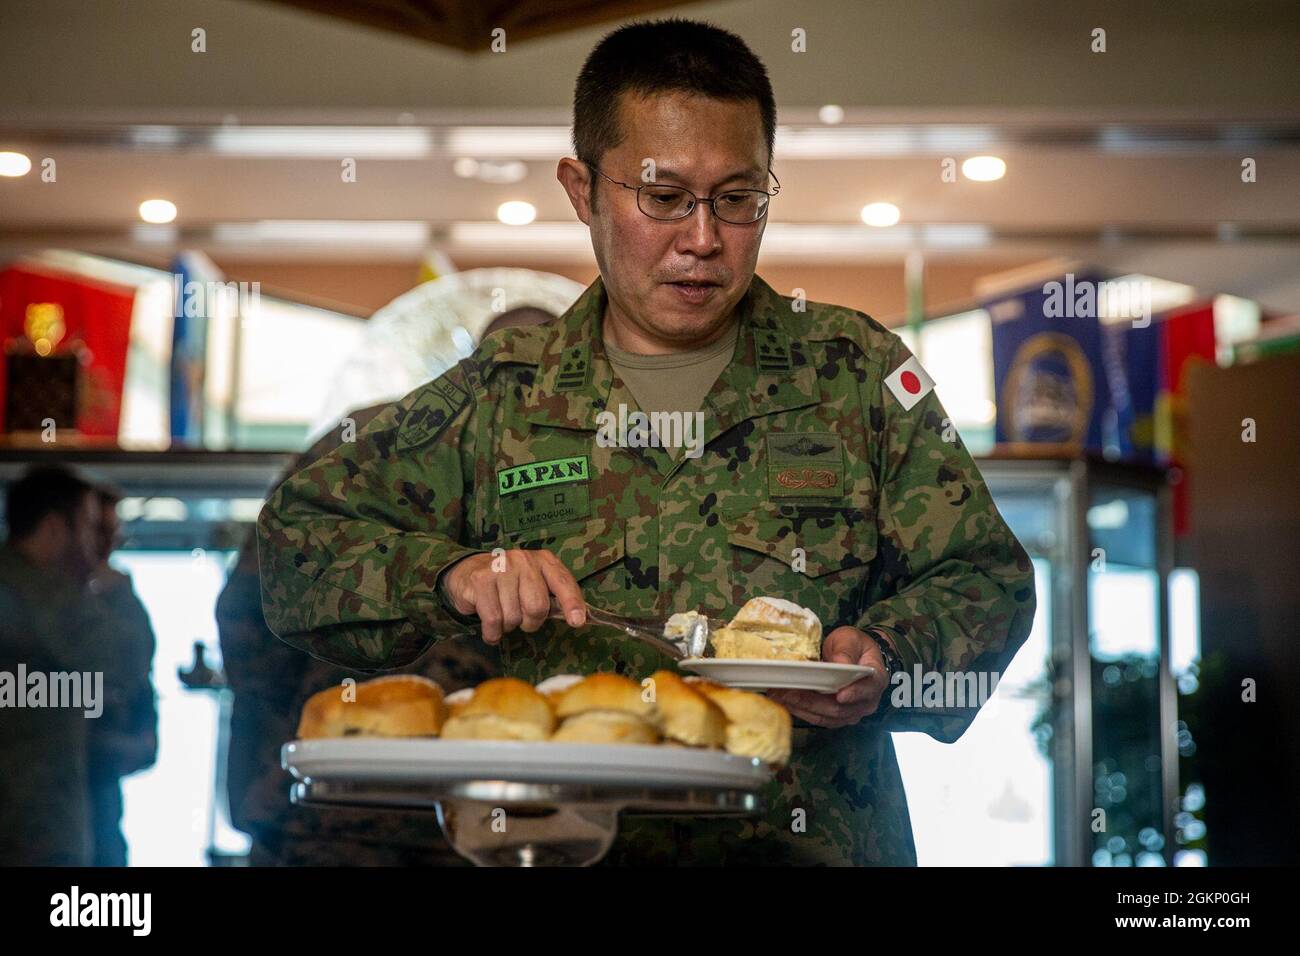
<point>805,464</point>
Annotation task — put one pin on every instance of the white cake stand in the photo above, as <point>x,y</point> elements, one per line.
<point>508,803</point>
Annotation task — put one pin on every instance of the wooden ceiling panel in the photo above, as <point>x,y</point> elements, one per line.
<point>468,24</point>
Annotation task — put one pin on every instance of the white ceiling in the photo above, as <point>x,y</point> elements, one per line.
<point>1140,147</point>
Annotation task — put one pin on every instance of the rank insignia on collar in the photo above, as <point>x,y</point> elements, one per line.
<point>772,351</point>
<point>575,367</point>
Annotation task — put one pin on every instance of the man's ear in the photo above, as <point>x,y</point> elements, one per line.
<point>575,177</point>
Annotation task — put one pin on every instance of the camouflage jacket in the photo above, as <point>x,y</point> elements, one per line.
<point>271,681</point>
<point>806,449</point>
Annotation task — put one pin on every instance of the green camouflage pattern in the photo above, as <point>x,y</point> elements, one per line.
<point>901,535</point>
<point>271,681</point>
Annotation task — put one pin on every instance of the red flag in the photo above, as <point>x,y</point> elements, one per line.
<point>1187,337</point>
<point>96,315</point>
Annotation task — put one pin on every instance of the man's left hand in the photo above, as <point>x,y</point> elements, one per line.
<point>847,706</point>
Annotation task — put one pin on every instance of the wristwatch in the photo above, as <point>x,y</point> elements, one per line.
<point>892,662</point>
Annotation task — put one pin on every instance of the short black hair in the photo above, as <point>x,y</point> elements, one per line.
<point>664,56</point>
<point>42,490</point>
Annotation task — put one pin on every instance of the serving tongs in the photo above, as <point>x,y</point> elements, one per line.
<point>653,631</point>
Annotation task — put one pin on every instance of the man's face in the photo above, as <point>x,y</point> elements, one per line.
<point>708,146</point>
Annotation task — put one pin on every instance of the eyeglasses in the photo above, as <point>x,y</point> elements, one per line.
<point>667,203</point>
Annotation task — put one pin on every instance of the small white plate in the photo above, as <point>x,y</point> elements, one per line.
<point>823,677</point>
<point>432,760</point>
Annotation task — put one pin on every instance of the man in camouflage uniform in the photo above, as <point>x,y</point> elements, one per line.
<point>829,475</point>
<point>271,682</point>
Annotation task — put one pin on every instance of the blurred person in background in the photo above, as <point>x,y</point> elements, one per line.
<point>125,739</point>
<point>47,628</point>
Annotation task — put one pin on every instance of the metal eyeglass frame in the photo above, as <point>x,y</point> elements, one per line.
<point>696,200</point>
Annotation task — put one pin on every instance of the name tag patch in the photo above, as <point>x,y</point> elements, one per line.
<point>538,474</point>
<point>543,493</point>
<point>805,465</point>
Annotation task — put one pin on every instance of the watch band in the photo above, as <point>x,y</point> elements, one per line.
<point>892,662</point>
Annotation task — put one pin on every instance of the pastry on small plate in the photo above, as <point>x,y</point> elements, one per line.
<point>773,643</point>
<point>769,628</point>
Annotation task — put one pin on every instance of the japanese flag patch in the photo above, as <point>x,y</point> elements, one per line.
<point>910,383</point>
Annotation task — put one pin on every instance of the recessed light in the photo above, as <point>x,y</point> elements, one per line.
<point>880,214</point>
<point>516,213</point>
<point>157,211</point>
<point>830,114</point>
<point>984,169</point>
<point>502,171</point>
<point>14,164</point>
<point>466,167</point>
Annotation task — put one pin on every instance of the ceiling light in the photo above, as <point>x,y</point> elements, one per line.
<point>984,169</point>
<point>501,171</point>
<point>324,142</point>
<point>157,211</point>
<point>880,214</point>
<point>516,213</point>
<point>370,232</point>
<point>14,164</point>
<point>508,142</point>
<point>830,114</point>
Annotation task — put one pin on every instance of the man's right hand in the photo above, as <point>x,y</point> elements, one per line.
<point>519,595</point>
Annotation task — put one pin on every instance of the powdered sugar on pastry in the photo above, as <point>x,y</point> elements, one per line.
<point>558,682</point>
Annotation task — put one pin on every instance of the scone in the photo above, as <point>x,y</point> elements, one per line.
<point>770,628</point>
<point>605,709</point>
<point>756,726</point>
<point>605,727</point>
<point>687,716</point>
<point>456,701</point>
<point>503,708</point>
<point>399,705</point>
<point>557,684</point>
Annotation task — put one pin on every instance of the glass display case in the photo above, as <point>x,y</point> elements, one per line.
<point>1074,761</point>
